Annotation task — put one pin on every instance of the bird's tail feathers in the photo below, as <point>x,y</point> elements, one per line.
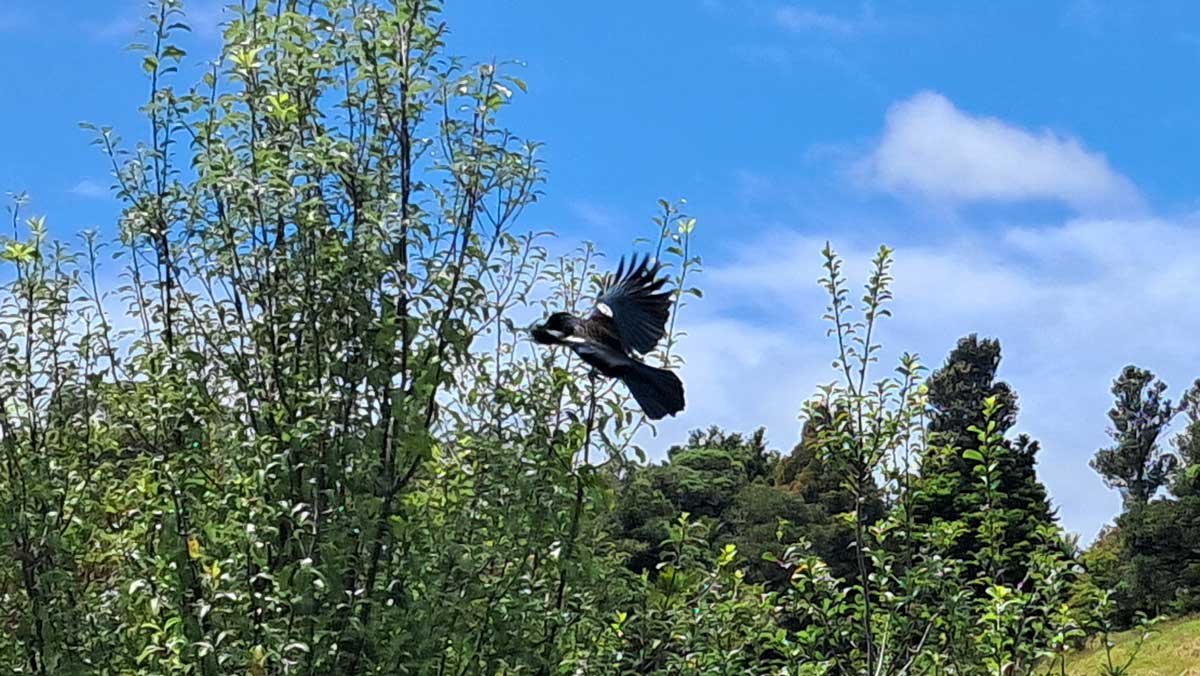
<point>658,391</point>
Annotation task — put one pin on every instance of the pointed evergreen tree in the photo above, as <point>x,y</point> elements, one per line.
<point>946,490</point>
<point>1136,465</point>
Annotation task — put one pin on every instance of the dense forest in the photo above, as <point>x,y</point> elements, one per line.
<point>287,419</point>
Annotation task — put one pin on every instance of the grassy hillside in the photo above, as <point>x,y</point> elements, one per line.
<point>1172,650</point>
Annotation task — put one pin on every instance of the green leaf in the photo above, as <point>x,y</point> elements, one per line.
<point>19,253</point>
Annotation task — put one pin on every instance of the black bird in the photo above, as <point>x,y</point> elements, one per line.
<point>629,319</point>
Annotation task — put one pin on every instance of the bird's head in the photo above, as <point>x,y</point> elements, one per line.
<point>556,328</point>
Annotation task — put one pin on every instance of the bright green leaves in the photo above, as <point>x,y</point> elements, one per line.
<point>281,108</point>
<point>23,253</point>
<point>246,59</point>
<point>16,252</point>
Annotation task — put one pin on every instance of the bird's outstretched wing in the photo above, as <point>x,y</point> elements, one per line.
<point>633,300</point>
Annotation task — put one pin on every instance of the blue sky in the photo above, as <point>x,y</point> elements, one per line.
<point>1031,162</point>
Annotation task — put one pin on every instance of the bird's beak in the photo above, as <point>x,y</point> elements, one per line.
<point>545,336</point>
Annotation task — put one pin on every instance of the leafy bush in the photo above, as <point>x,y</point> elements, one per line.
<point>311,438</point>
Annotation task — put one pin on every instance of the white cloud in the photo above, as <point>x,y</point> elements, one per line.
<point>90,189</point>
<point>1070,304</point>
<point>933,150</point>
<point>803,20</point>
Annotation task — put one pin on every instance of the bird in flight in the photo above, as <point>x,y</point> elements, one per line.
<point>629,319</point>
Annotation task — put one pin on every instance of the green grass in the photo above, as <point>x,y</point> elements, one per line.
<point>1172,650</point>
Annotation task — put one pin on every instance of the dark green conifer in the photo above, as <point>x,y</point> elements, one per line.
<point>947,487</point>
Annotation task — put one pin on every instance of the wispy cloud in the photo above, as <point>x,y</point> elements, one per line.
<point>90,189</point>
<point>934,150</point>
<point>593,215</point>
<point>804,20</point>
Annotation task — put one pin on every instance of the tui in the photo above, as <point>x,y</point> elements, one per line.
<point>629,319</point>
